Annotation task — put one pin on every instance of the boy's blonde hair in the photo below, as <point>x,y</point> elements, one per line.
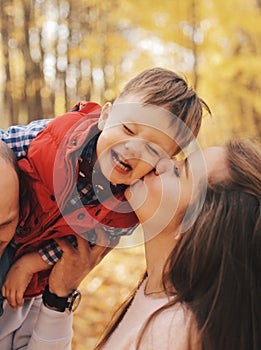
<point>166,89</point>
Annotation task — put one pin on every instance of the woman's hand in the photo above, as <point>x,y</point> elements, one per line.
<point>75,264</point>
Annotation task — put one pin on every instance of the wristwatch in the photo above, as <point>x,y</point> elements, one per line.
<point>60,304</point>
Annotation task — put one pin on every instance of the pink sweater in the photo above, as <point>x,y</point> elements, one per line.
<point>172,329</point>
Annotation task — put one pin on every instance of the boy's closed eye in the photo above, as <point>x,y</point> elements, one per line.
<point>126,128</point>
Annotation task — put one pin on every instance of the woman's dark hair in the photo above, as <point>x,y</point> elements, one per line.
<point>216,265</point>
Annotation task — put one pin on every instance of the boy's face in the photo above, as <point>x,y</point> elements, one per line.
<point>9,203</point>
<point>134,137</point>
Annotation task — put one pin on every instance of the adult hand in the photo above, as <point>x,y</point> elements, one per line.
<point>75,264</point>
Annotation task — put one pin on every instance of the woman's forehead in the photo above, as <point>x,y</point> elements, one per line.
<point>212,160</point>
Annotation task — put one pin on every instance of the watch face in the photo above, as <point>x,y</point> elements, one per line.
<point>75,301</point>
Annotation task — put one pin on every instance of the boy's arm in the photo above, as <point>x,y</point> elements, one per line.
<point>19,137</point>
<point>20,275</point>
<point>21,272</point>
<point>103,235</point>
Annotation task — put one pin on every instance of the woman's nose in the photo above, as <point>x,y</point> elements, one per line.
<point>164,165</point>
<point>167,164</point>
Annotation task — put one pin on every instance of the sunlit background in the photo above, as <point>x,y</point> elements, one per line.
<point>54,53</point>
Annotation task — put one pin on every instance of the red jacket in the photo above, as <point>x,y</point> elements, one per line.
<point>52,166</point>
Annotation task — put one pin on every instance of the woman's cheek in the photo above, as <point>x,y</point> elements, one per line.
<point>136,195</point>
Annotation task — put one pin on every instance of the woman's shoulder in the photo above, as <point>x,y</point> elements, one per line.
<point>173,328</point>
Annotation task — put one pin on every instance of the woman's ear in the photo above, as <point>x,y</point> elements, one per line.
<point>104,115</point>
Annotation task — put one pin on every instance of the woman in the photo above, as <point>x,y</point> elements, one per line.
<point>202,287</point>
<point>210,296</point>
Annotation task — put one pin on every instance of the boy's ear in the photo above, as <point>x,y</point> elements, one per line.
<point>104,115</point>
<point>177,234</point>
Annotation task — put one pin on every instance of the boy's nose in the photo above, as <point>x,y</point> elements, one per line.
<point>134,147</point>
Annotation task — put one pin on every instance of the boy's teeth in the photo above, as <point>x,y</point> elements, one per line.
<point>119,163</point>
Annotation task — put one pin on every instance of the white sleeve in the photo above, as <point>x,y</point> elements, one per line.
<point>53,330</point>
<point>172,329</point>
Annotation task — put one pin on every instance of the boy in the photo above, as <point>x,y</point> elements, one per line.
<point>81,163</point>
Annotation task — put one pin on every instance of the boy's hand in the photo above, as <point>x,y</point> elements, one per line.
<point>19,276</point>
<point>75,264</point>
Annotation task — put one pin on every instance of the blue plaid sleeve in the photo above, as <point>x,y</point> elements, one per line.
<point>19,137</point>
<point>51,252</point>
<point>116,231</point>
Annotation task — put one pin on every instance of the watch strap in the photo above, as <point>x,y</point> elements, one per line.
<point>60,304</point>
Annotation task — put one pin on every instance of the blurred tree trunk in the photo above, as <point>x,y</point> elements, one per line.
<point>33,71</point>
<point>56,52</point>
<point>6,30</point>
<point>23,83</point>
<point>194,23</point>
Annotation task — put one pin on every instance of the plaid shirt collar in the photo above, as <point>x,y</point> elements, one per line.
<point>89,175</point>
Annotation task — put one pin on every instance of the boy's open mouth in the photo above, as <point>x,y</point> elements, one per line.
<point>119,162</point>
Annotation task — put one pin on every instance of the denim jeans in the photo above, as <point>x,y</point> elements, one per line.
<point>5,263</point>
